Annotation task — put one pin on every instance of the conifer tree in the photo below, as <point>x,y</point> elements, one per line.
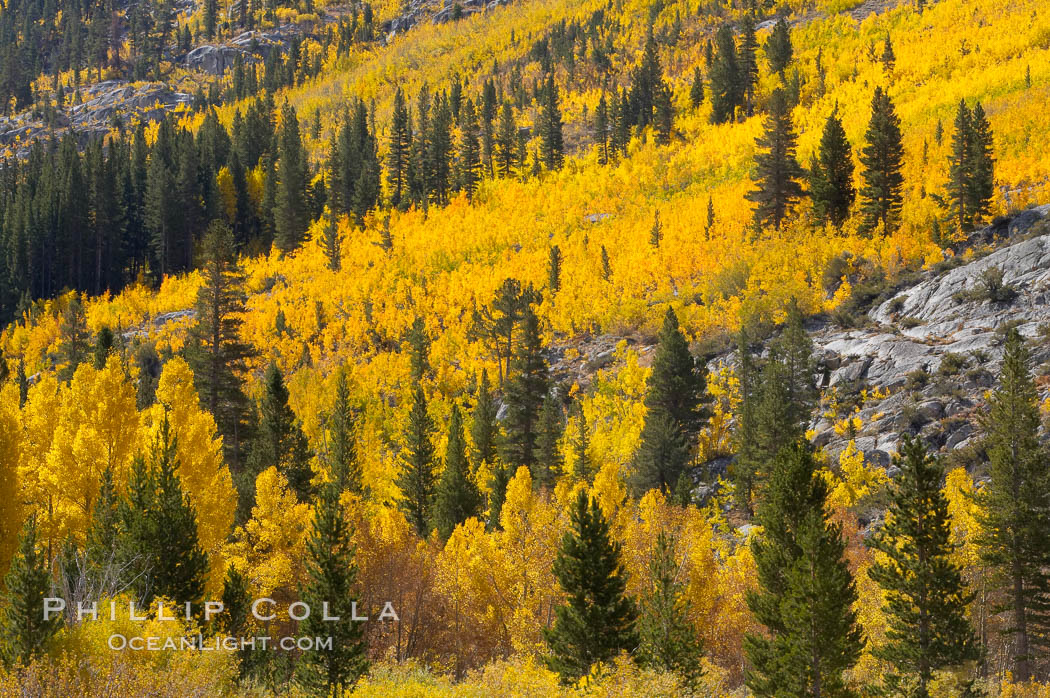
<point>747,464</point>
<point>551,143</point>
<point>655,233</point>
<point>581,462</point>
<point>346,470</point>
<point>806,593</point>
<point>970,166</point>
<point>417,479</point>
<point>668,638</point>
<point>103,532</point>
<point>457,496</point>
<point>290,215</point>
<point>469,155</point>
<point>398,155</point>
<point>419,350</point>
<point>497,494</point>
<point>23,628</point>
<point>103,347</point>
<point>554,269</point>
<point>73,337</point>
<point>982,164</point>
<point>747,56</point>
<point>158,524</point>
<point>888,57</point>
<point>484,431</point>
<point>598,620</point>
<point>725,76</point>
<point>674,411</point>
<point>831,175</point>
<point>330,243</point>
<point>696,89</point>
<point>601,129</point>
<point>279,440</point>
<point>926,601</point>
<point>215,351</point>
<point>526,388</point>
<point>664,116</point>
<point>329,592</point>
<point>1014,507</point>
<point>778,48</point>
<point>548,451</point>
<point>880,195</point>
<point>777,172</point>
<point>506,140</point>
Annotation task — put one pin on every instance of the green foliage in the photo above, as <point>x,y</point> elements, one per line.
<point>417,480</point>
<point>330,591</point>
<point>806,593</point>
<point>279,440</point>
<point>777,172</point>
<point>831,175</point>
<point>525,392</point>
<point>598,620</point>
<point>457,497</point>
<point>23,629</point>
<point>926,601</point>
<point>346,469</point>
<point>882,157</point>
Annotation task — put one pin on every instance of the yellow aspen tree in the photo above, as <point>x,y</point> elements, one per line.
<point>11,505</point>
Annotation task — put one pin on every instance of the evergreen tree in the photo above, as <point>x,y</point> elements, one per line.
<point>331,577</point>
<point>778,48</point>
<point>104,530</point>
<point>159,542</point>
<point>526,388</point>
<point>601,129</point>
<point>73,337</point>
<point>970,166</point>
<point>506,141</point>
<point>668,637</point>
<point>215,351</point>
<point>419,350</point>
<point>655,233</point>
<point>484,431</point>
<point>279,440</point>
<point>747,464</point>
<point>598,621</point>
<point>1014,507</point>
<point>888,57</point>
<point>457,496</point>
<point>777,172</point>
<point>674,411</point>
<point>346,469</point>
<point>696,89</point>
<point>664,116</point>
<point>725,76</point>
<point>747,56</point>
<point>330,242</point>
<point>982,164</point>
<point>581,462</point>
<point>497,494</point>
<point>925,598</point>
<point>103,347</point>
<point>23,628</point>
<point>417,479</point>
<point>806,594</point>
<point>882,156</point>
<point>831,175</point>
<point>469,155</point>
<point>554,269</point>
<point>548,444</point>
<point>399,153</point>
<point>551,143</point>
<point>290,214</point>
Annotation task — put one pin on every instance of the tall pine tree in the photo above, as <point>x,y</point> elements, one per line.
<point>882,156</point>
<point>777,172</point>
<point>457,497</point>
<point>23,628</point>
<point>417,479</point>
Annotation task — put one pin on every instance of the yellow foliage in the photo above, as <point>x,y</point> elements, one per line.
<point>11,505</point>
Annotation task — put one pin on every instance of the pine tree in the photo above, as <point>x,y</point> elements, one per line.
<point>794,349</point>
<point>506,141</point>
<point>279,440</point>
<point>330,242</point>
<point>399,152</point>
<point>831,176</point>
<point>806,594</point>
<point>497,494</point>
<point>103,532</point>
<point>958,166</point>
<point>73,337</point>
<point>24,630</point>
<point>159,541</point>
<point>664,117</point>
<point>417,479</point>
<point>290,214</point>
<point>484,431</point>
<point>982,164</point>
<point>419,350</point>
<point>215,351</point>
<point>457,497</point>
<point>469,155</point>
<point>551,143</point>
<point>674,411</point>
<point>526,388</point>
<point>696,89</point>
<point>598,620</point>
<point>601,129</point>
<point>747,464</point>
<point>888,57</point>
<point>925,598</point>
<point>581,462</point>
<point>655,234</point>
<point>554,269</point>
<point>777,172</point>
<point>882,156</point>
<point>548,444</point>
<point>725,76</point>
<point>1014,507</point>
<point>747,55</point>
<point>778,48</point>
<point>668,638</point>
<point>346,470</point>
<point>329,591</point>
